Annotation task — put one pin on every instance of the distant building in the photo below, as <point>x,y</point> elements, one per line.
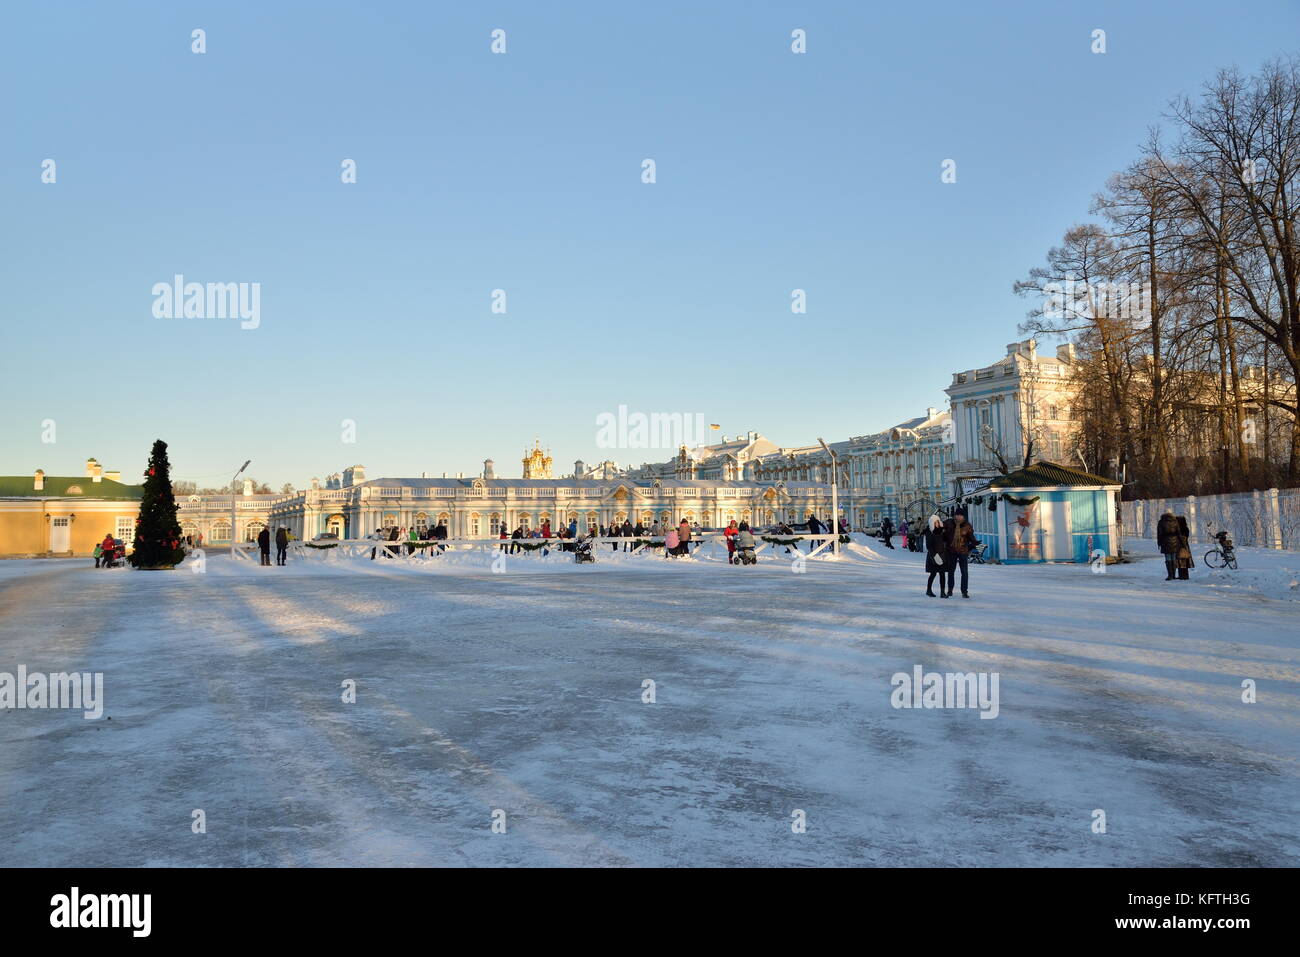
<point>897,473</point>
<point>206,518</point>
<point>60,516</point>
<point>1018,408</point>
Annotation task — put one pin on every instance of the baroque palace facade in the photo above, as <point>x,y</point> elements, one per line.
<point>484,505</point>
<point>901,472</point>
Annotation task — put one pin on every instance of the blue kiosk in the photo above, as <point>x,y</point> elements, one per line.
<point>1045,513</point>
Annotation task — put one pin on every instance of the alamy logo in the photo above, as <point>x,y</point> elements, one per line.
<point>934,690</point>
<point>1097,300</point>
<point>658,430</point>
<point>103,910</point>
<point>79,691</point>
<point>179,299</point>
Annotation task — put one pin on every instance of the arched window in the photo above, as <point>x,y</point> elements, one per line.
<point>445,519</point>
<point>592,520</point>
<point>474,525</point>
<point>421,523</point>
<point>525,521</point>
<point>335,525</point>
<point>494,523</point>
<point>221,532</point>
<point>252,529</point>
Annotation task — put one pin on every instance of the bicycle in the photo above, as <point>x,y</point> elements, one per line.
<point>1223,555</point>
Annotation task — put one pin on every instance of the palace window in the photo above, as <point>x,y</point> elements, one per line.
<point>474,524</point>
<point>126,530</point>
<point>525,521</point>
<point>494,523</point>
<point>221,532</point>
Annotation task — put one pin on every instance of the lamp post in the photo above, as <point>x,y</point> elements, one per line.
<point>835,497</point>
<point>232,506</point>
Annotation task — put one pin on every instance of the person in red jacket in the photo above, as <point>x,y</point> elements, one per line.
<point>731,531</point>
<point>108,548</point>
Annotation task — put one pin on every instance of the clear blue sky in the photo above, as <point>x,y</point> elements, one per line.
<point>522,172</point>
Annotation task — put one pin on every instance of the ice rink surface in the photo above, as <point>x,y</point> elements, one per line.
<point>521,692</point>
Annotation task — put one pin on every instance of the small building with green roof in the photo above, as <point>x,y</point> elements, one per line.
<point>1046,512</point>
<point>64,516</point>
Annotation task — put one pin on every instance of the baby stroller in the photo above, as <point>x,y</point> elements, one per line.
<point>745,555</point>
<point>582,551</point>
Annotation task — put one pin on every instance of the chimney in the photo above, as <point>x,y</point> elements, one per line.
<point>113,476</point>
<point>931,412</point>
<point>488,472</point>
<point>90,467</point>
<point>315,484</point>
<point>1013,348</point>
<point>579,469</point>
<point>39,483</point>
<point>97,473</point>
<point>248,486</point>
<point>1065,353</point>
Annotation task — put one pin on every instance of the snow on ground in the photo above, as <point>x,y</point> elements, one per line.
<point>522,691</point>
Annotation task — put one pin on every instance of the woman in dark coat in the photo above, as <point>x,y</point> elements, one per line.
<point>936,547</point>
<point>1184,554</point>
<point>1167,540</point>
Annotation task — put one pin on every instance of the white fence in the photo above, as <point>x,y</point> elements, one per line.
<point>1268,519</point>
<point>422,551</point>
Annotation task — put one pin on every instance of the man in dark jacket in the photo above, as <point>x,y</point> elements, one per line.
<point>961,539</point>
<point>264,544</point>
<point>1168,541</point>
<point>887,531</point>
<point>814,528</point>
<point>281,545</point>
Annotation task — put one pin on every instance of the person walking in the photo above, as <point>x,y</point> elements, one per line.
<point>814,528</point>
<point>730,532</point>
<point>1167,540</point>
<point>961,539</point>
<point>281,546</point>
<point>264,545</point>
<point>1185,563</point>
<point>887,531</point>
<point>936,547</point>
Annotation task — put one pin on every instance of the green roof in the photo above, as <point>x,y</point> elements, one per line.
<point>22,486</point>
<point>1047,474</point>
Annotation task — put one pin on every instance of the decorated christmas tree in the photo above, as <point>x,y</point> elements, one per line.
<point>157,533</point>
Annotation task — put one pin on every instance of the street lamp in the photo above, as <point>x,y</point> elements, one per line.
<point>232,506</point>
<point>835,497</point>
